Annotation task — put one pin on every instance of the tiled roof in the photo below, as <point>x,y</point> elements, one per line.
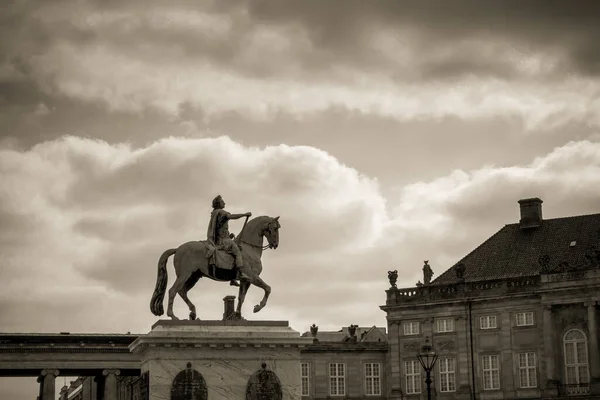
<point>342,335</point>
<point>513,252</point>
<point>373,335</point>
<point>360,347</point>
<point>328,336</point>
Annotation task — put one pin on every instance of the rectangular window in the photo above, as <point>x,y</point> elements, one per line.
<point>305,375</point>
<point>447,374</point>
<point>337,379</point>
<point>411,328</point>
<point>412,371</point>
<point>527,370</point>
<point>372,379</point>
<point>491,372</point>
<point>445,325</point>
<point>487,322</point>
<point>525,318</point>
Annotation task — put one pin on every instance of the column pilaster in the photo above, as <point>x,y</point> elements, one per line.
<point>548,335</point>
<point>463,374</point>
<point>110,383</point>
<point>593,347</point>
<point>48,378</point>
<point>551,387</point>
<point>395,378</point>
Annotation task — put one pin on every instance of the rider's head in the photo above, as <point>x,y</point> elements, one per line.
<point>218,202</point>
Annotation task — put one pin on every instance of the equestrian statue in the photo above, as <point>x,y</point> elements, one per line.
<point>221,257</point>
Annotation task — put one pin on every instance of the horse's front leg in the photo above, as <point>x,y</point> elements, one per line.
<point>257,281</point>
<point>244,286</point>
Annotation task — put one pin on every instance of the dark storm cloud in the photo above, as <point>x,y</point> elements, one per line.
<point>322,35</point>
<point>570,26</point>
<point>260,58</point>
<point>20,94</point>
<point>21,36</point>
<point>86,119</point>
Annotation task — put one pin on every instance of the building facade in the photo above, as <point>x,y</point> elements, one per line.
<point>515,318</point>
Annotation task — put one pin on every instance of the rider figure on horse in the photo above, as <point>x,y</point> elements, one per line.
<point>218,234</point>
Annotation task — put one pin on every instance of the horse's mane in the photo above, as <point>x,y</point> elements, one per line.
<point>254,222</point>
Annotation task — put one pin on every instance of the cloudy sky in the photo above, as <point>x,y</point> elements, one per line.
<point>384,133</point>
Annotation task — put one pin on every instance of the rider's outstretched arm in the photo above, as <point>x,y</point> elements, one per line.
<point>238,216</point>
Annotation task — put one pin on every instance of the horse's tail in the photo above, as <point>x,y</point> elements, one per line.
<point>156,303</point>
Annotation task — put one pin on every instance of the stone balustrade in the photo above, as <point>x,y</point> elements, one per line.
<point>429,293</point>
<point>499,287</point>
<point>409,292</point>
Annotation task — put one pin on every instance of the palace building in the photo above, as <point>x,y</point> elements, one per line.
<point>515,318</point>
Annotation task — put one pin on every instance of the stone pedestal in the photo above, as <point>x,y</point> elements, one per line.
<point>218,359</point>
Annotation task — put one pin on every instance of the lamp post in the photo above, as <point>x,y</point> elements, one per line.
<point>427,357</point>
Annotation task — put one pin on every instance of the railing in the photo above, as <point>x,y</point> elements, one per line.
<point>575,389</point>
<point>472,289</point>
<point>508,286</point>
<point>410,292</point>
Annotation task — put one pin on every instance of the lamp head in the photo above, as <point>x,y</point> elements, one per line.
<point>427,356</point>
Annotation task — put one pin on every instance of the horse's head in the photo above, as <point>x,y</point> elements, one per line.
<point>260,227</point>
<point>271,232</point>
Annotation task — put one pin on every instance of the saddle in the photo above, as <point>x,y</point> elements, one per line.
<point>221,264</point>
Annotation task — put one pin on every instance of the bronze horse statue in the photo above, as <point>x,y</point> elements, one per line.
<point>191,264</point>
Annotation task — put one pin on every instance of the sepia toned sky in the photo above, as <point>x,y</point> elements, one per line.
<point>384,133</point>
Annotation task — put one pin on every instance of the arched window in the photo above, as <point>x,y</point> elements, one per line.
<point>576,357</point>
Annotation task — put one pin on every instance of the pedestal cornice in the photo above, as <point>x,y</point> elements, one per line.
<point>220,334</point>
<point>184,323</point>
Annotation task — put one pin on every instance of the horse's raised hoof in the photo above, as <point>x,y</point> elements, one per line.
<point>257,308</point>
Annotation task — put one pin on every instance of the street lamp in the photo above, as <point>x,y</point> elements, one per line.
<point>427,357</point>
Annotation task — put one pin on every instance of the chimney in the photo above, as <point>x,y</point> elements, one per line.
<point>531,213</point>
<point>229,307</point>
